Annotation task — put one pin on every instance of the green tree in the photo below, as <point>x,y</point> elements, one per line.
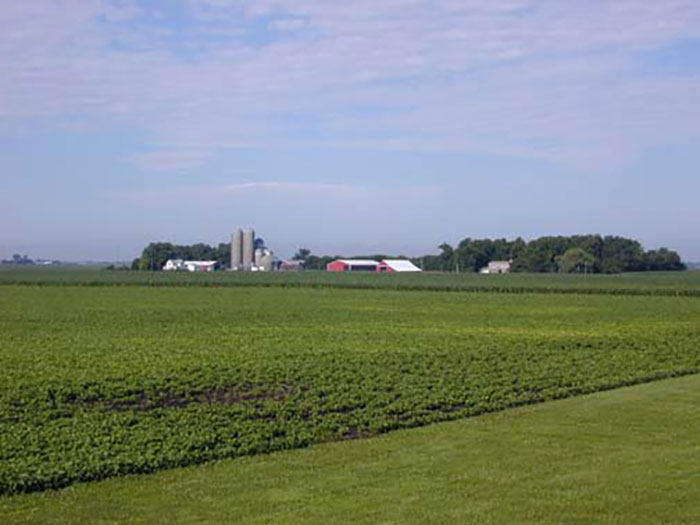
<point>156,254</point>
<point>314,262</point>
<point>621,255</point>
<point>662,259</point>
<point>222,253</point>
<point>447,258</point>
<point>302,254</point>
<point>575,260</point>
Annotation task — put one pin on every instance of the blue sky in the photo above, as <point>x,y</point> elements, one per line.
<point>346,127</point>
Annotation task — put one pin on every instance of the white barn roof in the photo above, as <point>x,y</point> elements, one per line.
<point>359,262</point>
<point>401,265</point>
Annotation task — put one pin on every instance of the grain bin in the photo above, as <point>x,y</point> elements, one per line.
<point>237,249</point>
<point>248,248</point>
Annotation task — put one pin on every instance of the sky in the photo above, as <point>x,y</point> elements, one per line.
<point>350,127</point>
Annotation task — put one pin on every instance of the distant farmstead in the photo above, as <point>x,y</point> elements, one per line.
<point>179,265</point>
<point>368,265</point>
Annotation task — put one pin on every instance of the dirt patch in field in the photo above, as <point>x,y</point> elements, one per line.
<point>356,433</point>
<point>170,399</point>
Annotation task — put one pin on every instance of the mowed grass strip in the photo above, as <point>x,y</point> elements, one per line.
<point>630,455</point>
<point>102,382</point>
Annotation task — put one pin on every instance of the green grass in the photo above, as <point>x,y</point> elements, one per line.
<point>645,283</point>
<point>106,381</point>
<point>624,456</point>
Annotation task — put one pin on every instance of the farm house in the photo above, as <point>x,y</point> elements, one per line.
<point>497,267</point>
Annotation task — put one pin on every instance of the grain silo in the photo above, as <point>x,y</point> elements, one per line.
<point>267,262</point>
<point>237,249</point>
<point>248,248</point>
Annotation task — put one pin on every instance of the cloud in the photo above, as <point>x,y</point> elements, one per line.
<point>121,11</point>
<point>339,189</point>
<point>266,189</point>
<point>545,79</point>
<point>176,160</point>
<point>287,24</point>
<point>175,193</point>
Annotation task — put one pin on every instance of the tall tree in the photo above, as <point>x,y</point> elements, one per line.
<point>447,258</point>
<point>662,259</point>
<point>302,254</point>
<point>575,260</point>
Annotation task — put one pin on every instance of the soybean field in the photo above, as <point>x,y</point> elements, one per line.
<point>100,381</point>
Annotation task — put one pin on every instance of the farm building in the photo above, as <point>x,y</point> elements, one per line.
<point>497,267</point>
<point>397,265</point>
<point>178,265</point>
<point>367,265</point>
<point>352,265</point>
<point>291,266</point>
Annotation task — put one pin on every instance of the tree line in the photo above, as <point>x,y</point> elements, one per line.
<point>18,259</point>
<point>564,254</point>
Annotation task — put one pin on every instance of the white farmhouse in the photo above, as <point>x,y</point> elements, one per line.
<point>497,267</point>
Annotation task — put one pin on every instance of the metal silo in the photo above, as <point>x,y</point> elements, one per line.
<point>258,257</point>
<point>268,262</point>
<point>248,248</point>
<point>237,249</point>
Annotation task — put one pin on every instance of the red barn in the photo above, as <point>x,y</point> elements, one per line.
<point>352,265</point>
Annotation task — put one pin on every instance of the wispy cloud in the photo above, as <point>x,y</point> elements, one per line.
<point>287,24</point>
<point>175,160</point>
<point>340,189</point>
<point>264,189</point>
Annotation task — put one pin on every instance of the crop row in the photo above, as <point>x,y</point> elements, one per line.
<point>684,284</point>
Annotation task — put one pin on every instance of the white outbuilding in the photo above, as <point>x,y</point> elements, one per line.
<point>397,265</point>
<point>179,265</point>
